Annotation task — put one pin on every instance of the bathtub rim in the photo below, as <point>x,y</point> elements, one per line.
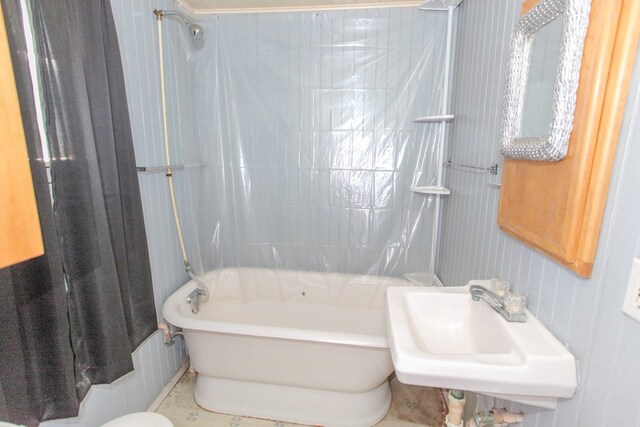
<point>172,314</point>
<point>175,318</point>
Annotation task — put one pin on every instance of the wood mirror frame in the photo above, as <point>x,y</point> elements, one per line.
<point>557,208</point>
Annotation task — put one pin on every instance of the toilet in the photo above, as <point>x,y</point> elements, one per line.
<point>140,419</point>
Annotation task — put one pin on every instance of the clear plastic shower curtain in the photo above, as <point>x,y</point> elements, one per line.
<point>305,129</point>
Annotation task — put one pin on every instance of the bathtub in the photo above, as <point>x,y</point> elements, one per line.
<point>302,347</point>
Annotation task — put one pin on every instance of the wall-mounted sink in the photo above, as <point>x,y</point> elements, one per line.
<point>440,337</point>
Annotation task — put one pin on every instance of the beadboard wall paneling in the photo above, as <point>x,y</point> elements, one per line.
<point>154,363</point>
<point>584,314</point>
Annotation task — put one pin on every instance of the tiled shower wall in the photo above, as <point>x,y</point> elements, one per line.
<point>154,363</point>
<point>306,126</point>
<point>584,314</point>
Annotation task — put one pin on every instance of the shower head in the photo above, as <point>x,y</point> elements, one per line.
<point>195,30</point>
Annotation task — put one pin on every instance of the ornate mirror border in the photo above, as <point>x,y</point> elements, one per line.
<point>554,146</point>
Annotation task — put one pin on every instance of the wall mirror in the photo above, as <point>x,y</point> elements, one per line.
<point>542,80</point>
<point>537,110</point>
<point>557,207</point>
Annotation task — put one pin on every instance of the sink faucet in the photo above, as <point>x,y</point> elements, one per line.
<point>496,302</point>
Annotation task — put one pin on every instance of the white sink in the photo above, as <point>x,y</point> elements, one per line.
<point>440,337</point>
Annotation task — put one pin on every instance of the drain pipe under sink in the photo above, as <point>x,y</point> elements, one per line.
<point>495,417</point>
<point>456,407</point>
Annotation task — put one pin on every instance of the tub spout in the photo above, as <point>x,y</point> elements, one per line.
<point>496,302</point>
<point>195,297</point>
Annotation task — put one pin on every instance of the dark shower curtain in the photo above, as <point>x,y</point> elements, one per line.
<point>97,207</point>
<point>65,343</point>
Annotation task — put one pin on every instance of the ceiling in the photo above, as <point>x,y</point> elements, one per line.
<point>261,6</point>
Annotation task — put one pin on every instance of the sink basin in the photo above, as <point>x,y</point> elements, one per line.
<point>440,337</point>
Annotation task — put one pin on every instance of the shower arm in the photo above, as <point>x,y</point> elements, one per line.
<point>162,13</point>
<point>195,29</point>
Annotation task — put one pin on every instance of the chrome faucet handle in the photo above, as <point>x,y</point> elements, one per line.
<point>194,299</point>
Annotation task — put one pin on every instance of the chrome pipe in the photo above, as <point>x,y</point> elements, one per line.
<point>196,30</point>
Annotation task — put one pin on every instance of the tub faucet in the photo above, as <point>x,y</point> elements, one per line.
<point>496,302</point>
<point>195,297</point>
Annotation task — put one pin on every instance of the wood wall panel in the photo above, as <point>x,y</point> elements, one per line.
<point>20,234</point>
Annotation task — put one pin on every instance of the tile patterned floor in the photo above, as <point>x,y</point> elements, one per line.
<point>411,407</point>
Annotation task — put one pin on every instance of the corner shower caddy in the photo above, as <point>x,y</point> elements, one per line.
<point>442,119</point>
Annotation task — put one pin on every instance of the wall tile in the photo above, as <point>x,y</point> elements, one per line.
<point>328,97</point>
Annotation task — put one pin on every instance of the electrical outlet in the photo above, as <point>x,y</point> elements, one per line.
<point>631,304</point>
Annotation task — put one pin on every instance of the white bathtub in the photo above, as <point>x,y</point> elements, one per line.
<point>295,346</point>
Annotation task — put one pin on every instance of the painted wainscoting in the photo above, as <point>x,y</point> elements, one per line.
<point>584,314</point>
<point>154,363</point>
